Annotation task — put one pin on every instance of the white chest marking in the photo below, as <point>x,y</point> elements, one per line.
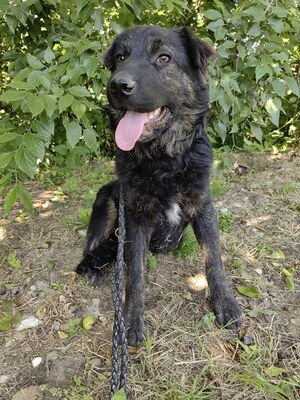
<point>173,214</point>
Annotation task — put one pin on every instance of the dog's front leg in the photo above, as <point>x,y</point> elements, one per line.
<point>225,305</point>
<point>137,245</point>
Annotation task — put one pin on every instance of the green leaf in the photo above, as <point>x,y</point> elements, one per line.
<point>221,129</point>
<point>73,132</point>
<point>5,179</point>
<point>90,64</point>
<point>254,30</point>
<point>13,95</point>
<point>49,103</point>
<point>34,144</point>
<point>78,108</point>
<point>90,138</point>
<point>277,254</point>
<point>279,86</point>
<point>289,283</point>
<point>25,197</point>
<point>256,131</point>
<point>79,91</point>
<point>212,14</point>
<point>277,25</point>
<point>49,55</point>
<point>273,107</point>
<point>10,199</point>
<point>35,104</point>
<point>34,77</point>
<point>292,85</point>
<point>44,128</point>
<point>88,322</point>
<point>34,62</point>
<point>274,371</point>
<point>257,13</point>
<point>21,85</point>
<point>119,395</point>
<point>214,25</point>
<point>45,82</point>
<point>7,137</point>
<point>5,159</point>
<point>249,291</point>
<point>65,102</point>
<point>242,51</point>
<point>279,11</point>
<point>288,274</point>
<point>26,161</point>
<point>9,315</point>
<point>261,70</point>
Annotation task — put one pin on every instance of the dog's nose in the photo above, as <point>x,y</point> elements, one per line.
<point>122,84</point>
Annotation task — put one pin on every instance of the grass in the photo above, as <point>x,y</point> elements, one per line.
<point>219,187</point>
<point>188,246</point>
<point>225,220</point>
<point>185,355</point>
<point>80,220</point>
<point>289,188</point>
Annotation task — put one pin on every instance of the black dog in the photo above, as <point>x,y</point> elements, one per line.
<point>158,103</point>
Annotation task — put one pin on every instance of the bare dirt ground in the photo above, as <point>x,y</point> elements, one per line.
<point>185,355</point>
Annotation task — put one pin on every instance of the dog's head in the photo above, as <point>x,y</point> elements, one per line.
<point>157,84</point>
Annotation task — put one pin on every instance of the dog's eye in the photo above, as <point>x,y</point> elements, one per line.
<point>120,58</point>
<point>163,59</point>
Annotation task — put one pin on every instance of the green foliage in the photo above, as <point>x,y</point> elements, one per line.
<point>14,261</point>
<point>253,82</point>
<point>9,315</point>
<point>52,86</point>
<point>249,291</point>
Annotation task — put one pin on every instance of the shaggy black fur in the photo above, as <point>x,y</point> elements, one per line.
<point>165,176</point>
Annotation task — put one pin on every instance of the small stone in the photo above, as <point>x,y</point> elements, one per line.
<point>82,233</point>
<point>62,298</point>
<point>29,393</point>
<point>28,322</point>
<point>248,340</point>
<point>259,271</point>
<point>52,356</point>
<point>4,379</point>
<point>96,363</point>
<point>36,361</point>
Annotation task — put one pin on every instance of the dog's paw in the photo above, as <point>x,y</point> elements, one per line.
<point>227,310</point>
<point>94,276</point>
<point>135,334</point>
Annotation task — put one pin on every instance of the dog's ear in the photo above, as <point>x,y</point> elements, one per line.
<point>198,51</point>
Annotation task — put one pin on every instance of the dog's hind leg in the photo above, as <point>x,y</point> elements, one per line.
<point>225,305</point>
<point>101,248</point>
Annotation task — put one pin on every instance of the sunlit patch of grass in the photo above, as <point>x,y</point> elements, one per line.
<point>188,246</point>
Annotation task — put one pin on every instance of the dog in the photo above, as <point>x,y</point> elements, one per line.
<point>158,101</point>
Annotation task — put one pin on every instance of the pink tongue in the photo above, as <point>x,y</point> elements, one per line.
<point>130,129</point>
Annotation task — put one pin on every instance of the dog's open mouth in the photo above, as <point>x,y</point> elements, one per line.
<point>134,124</point>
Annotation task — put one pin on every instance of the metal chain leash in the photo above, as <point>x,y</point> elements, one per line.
<point>118,378</point>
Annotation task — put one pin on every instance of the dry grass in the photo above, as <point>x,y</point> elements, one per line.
<point>184,356</point>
